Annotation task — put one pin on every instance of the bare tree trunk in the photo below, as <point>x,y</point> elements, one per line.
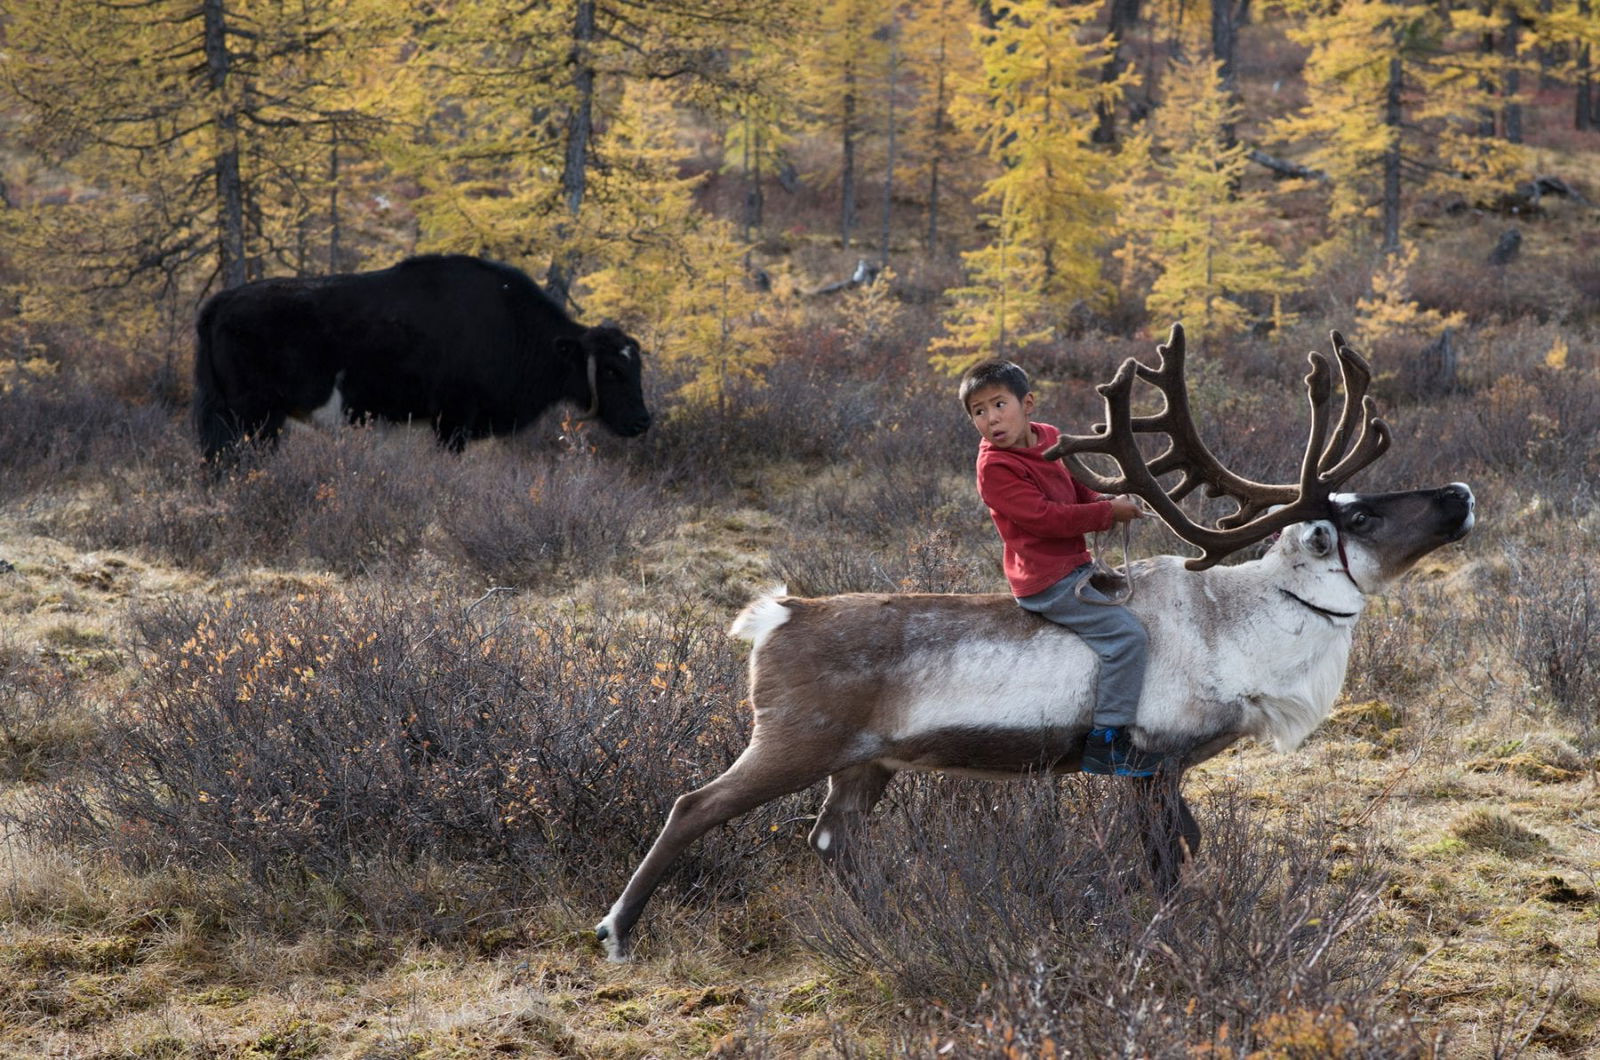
<point>1509,40</point>
<point>1549,50</point>
<point>229,183</point>
<point>302,242</point>
<point>254,219</point>
<point>1583,114</point>
<point>936,148</point>
<point>575,166</point>
<point>749,191</point>
<point>753,201</point>
<point>1225,18</point>
<point>1391,161</point>
<point>335,228</point>
<point>1124,15</point>
<point>847,179</point>
<point>1486,47</point>
<point>888,176</point>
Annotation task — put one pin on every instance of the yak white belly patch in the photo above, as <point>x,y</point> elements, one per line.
<point>329,415</point>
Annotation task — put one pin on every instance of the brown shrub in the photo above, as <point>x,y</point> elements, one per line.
<point>346,501</point>
<point>44,727</point>
<point>1548,622</point>
<point>1041,891</point>
<point>930,563</point>
<point>326,739</point>
<point>54,432</point>
<point>518,519</point>
<point>1406,641</point>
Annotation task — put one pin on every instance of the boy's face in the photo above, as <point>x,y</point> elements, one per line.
<point>1001,417</point>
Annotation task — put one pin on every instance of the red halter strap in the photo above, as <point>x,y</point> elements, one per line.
<point>1344,562</point>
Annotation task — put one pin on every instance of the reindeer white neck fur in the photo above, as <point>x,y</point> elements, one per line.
<point>1268,653</point>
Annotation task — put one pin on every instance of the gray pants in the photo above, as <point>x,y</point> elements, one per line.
<point>1112,632</point>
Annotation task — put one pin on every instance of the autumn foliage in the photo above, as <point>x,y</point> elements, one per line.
<point>160,150</point>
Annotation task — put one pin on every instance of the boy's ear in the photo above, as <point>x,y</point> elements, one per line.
<point>1027,403</point>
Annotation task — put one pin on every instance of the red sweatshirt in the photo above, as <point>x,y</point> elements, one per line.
<point>1041,511</point>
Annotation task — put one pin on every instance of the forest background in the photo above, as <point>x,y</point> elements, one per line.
<point>812,215</point>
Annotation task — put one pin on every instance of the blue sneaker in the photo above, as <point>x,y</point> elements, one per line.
<point>1110,752</point>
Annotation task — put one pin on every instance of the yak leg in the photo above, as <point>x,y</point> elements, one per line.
<point>225,420</point>
<point>757,776</point>
<point>852,793</point>
<point>261,417</point>
<point>1171,834</point>
<point>261,427</point>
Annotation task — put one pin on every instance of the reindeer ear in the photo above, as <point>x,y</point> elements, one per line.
<point>1317,539</point>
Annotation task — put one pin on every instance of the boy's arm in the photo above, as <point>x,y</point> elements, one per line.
<point>1013,495</point>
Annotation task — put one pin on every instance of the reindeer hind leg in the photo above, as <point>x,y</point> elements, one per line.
<point>758,776</point>
<point>852,793</point>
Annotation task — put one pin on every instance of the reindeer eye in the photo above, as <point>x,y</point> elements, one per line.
<point>1358,520</point>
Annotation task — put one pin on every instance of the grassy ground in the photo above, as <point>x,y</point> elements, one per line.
<point>1442,769</point>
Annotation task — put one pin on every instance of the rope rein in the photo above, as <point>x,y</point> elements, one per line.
<point>1100,567</point>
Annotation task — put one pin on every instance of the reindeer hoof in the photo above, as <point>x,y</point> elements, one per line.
<point>616,948</point>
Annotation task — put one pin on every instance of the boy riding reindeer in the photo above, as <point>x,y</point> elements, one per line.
<point>855,688</point>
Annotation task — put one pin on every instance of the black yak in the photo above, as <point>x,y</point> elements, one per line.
<point>468,346</point>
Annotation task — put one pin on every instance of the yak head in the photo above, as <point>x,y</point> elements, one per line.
<point>605,366</point>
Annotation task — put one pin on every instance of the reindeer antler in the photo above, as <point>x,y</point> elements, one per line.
<point>1327,463</point>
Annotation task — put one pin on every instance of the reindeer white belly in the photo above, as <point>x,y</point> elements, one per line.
<point>997,684</point>
<point>990,706</point>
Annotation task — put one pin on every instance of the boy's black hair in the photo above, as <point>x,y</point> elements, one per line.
<point>993,373</point>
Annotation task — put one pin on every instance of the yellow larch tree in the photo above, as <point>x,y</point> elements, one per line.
<point>1395,98</point>
<point>672,274</point>
<point>1390,312</point>
<point>1033,110</point>
<point>760,119</point>
<point>513,109</point>
<point>1571,29</point>
<point>1191,230</point>
<point>939,54</point>
<point>839,63</point>
<point>486,94</point>
<point>1002,307</point>
<point>199,144</point>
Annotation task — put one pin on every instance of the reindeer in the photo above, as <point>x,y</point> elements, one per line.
<point>855,688</point>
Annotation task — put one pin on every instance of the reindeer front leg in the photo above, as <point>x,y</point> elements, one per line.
<point>1171,834</point>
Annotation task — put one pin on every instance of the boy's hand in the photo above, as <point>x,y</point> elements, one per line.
<point>1125,509</point>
